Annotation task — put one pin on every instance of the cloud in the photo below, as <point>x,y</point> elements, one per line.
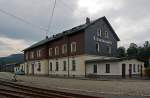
<point>10,46</point>
<point>129,18</point>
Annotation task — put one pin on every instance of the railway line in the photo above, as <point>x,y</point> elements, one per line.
<point>13,90</point>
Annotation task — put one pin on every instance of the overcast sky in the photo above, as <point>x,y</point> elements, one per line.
<point>129,18</point>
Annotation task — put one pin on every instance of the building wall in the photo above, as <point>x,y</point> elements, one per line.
<point>101,68</point>
<point>115,67</point>
<point>91,38</point>
<point>80,66</point>
<point>132,61</point>
<point>43,53</point>
<point>33,70</point>
<point>77,37</point>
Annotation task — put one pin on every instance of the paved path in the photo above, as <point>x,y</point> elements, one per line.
<point>111,89</point>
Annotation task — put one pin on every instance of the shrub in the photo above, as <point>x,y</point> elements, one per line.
<point>147,71</point>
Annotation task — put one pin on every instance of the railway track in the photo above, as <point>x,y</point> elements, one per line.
<point>13,90</point>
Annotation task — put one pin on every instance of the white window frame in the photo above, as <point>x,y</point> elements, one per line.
<point>38,53</point>
<point>57,50</point>
<point>73,65</point>
<point>64,48</point>
<point>50,51</point>
<point>99,32</point>
<point>73,49</point>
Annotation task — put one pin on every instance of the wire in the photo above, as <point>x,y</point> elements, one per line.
<point>51,18</point>
<point>67,6</point>
<point>21,19</point>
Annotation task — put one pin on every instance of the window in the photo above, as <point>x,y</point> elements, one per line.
<point>26,56</point>
<point>32,55</point>
<point>108,49</point>
<point>50,51</point>
<point>106,34</point>
<point>97,47</point>
<point>64,63</point>
<point>56,50</point>
<point>38,53</point>
<point>50,66</point>
<point>107,68</point>
<point>73,47</point>
<point>57,66</point>
<point>134,68</point>
<point>138,68</point>
<point>73,65</point>
<point>94,68</point>
<point>39,66</point>
<point>99,32</point>
<point>64,48</point>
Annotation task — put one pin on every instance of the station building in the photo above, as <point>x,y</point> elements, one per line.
<point>87,49</point>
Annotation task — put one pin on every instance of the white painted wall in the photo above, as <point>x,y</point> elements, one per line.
<point>115,67</point>
<point>132,61</point>
<point>101,68</point>
<point>80,66</point>
<point>44,67</point>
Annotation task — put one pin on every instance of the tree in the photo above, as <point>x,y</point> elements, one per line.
<point>121,52</point>
<point>146,45</point>
<point>132,51</point>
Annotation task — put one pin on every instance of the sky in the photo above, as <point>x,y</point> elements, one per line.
<point>129,18</point>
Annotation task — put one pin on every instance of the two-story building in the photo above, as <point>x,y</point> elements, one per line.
<point>70,52</point>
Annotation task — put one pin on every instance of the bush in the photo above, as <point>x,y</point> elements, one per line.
<point>147,71</point>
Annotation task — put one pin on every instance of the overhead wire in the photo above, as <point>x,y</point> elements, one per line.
<point>51,18</point>
<point>21,19</point>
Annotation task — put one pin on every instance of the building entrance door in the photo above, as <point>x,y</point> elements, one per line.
<point>141,71</point>
<point>32,69</point>
<point>123,70</point>
<point>130,70</point>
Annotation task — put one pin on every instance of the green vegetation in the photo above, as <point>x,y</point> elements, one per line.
<point>15,58</point>
<point>140,52</point>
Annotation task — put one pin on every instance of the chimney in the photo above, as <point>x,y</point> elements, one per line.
<point>46,37</point>
<point>87,20</point>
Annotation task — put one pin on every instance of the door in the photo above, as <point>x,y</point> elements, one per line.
<point>141,71</point>
<point>94,68</point>
<point>123,70</point>
<point>130,70</point>
<point>32,69</point>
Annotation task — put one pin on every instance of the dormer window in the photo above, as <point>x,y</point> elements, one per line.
<point>73,47</point>
<point>56,50</point>
<point>106,34</point>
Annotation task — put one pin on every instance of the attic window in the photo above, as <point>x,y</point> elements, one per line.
<point>99,32</point>
<point>106,34</point>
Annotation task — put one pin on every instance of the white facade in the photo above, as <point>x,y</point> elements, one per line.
<point>115,67</point>
<point>37,67</point>
<point>48,67</point>
<point>79,65</point>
